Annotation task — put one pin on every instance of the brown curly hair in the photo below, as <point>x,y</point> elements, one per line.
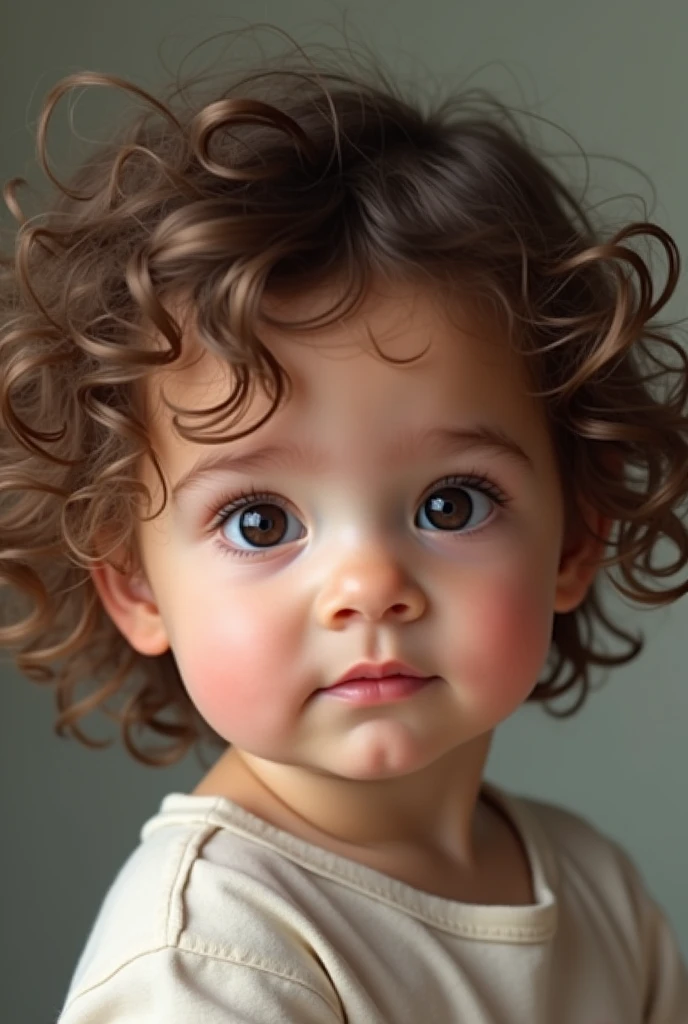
<point>296,174</point>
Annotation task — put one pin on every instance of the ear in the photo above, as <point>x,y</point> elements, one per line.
<point>131,605</point>
<point>580,558</point>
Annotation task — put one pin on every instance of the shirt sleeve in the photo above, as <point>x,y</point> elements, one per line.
<point>664,970</point>
<point>182,986</point>
<point>667,980</point>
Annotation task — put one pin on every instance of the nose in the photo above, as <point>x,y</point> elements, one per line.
<point>371,586</point>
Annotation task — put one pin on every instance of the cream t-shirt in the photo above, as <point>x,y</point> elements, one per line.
<point>219,918</point>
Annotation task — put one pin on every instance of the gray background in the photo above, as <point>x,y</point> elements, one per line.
<point>612,73</point>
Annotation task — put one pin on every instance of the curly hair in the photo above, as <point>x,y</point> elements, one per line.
<point>291,175</point>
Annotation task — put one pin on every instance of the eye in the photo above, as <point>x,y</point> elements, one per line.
<point>454,507</point>
<point>260,525</point>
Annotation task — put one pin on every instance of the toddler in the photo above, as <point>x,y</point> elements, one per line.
<point>322,416</point>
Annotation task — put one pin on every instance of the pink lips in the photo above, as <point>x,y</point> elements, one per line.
<point>369,683</point>
<point>379,670</point>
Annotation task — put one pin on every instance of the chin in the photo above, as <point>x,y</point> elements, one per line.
<point>375,754</point>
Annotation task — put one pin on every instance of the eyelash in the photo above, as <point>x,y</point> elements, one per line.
<point>231,503</point>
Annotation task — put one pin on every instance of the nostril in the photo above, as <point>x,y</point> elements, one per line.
<point>344,614</point>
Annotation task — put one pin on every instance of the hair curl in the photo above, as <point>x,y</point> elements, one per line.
<point>294,175</point>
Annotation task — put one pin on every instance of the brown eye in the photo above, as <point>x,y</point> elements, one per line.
<point>262,525</point>
<point>454,508</point>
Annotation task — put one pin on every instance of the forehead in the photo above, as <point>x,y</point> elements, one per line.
<point>408,354</point>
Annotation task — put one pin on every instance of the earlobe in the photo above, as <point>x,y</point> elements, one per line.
<point>580,562</point>
<point>131,605</point>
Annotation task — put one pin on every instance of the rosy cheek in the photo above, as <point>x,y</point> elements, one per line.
<point>504,640</point>
<point>233,663</point>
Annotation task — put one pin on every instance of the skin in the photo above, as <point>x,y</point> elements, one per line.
<point>361,577</point>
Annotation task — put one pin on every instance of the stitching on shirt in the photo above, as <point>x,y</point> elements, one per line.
<point>264,834</point>
<point>396,896</point>
<point>218,950</point>
<point>181,878</point>
<point>226,958</point>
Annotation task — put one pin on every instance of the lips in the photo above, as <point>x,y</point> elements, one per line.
<point>364,691</point>
<point>379,670</point>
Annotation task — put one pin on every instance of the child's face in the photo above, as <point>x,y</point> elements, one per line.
<point>355,563</point>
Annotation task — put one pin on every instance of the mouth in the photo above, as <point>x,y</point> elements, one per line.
<point>371,683</point>
<point>380,670</point>
<point>387,690</point>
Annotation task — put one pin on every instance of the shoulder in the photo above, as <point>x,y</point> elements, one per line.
<point>604,902</point>
<point>577,852</point>
<point>581,847</point>
<point>193,893</point>
<point>599,888</point>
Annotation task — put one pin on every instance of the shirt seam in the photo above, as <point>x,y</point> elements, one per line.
<point>433,918</point>
<point>175,910</point>
<point>212,821</point>
<point>223,958</point>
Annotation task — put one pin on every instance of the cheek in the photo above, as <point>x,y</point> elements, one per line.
<point>503,637</point>
<point>238,663</point>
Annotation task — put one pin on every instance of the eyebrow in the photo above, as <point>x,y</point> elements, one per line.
<point>436,441</point>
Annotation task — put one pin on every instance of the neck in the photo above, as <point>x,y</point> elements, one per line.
<point>431,808</point>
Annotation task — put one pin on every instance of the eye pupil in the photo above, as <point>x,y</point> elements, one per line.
<point>263,524</point>
<point>449,513</point>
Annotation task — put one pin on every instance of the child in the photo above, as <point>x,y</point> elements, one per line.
<point>321,418</point>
